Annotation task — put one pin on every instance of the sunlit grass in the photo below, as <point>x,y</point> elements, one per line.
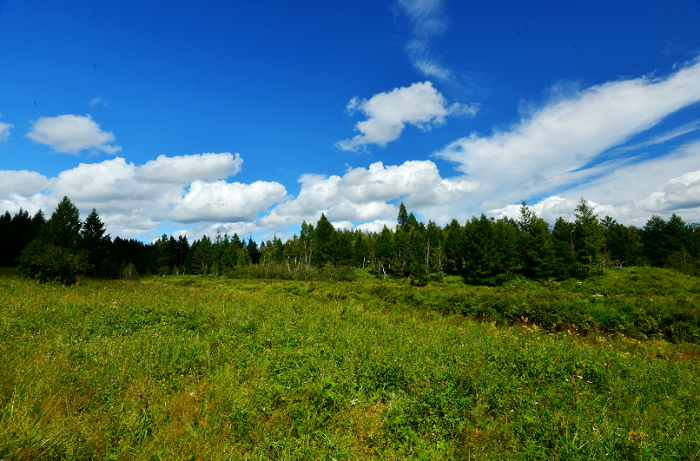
<point>191,368</point>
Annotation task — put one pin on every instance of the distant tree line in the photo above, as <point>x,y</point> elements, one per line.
<point>481,251</point>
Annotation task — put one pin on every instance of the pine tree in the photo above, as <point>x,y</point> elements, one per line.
<point>63,227</point>
<point>536,244</point>
<point>588,238</point>
<point>323,235</point>
<point>361,249</point>
<point>93,238</point>
<point>203,255</point>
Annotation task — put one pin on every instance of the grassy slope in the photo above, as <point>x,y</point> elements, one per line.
<point>188,368</point>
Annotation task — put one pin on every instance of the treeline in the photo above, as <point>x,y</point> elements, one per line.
<point>481,251</point>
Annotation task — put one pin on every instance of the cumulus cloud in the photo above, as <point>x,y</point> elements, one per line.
<point>72,134</point>
<point>561,143</point>
<point>135,199</point>
<point>21,182</point>
<point>222,201</point>
<point>387,114</point>
<point>187,168</point>
<point>428,21</point>
<point>362,194</point>
<point>632,192</point>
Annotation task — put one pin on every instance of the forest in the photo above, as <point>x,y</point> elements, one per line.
<point>481,251</point>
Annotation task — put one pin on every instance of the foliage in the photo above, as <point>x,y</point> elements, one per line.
<point>205,368</point>
<point>63,227</point>
<point>50,263</point>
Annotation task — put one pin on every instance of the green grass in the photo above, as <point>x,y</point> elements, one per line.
<point>186,368</point>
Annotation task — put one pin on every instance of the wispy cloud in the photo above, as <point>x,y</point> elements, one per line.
<point>72,134</point>
<point>551,148</point>
<point>96,101</point>
<point>387,114</point>
<point>5,130</point>
<point>662,138</point>
<point>428,20</point>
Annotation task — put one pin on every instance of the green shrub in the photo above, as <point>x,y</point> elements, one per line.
<point>50,263</point>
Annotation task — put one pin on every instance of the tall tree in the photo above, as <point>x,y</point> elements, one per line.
<point>63,227</point>
<point>588,237</point>
<point>93,238</point>
<point>653,241</point>
<point>536,244</point>
<point>360,249</point>
<point>323,235</point>
<point>203,255</point>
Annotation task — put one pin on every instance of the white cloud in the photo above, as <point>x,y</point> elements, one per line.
<point>551,148</point>
<point>96,101</point>
<point>187,168</point>
<point>72,134</point>
<point>135,199</point>
<point>21,182</point>
<point>362,194</point>
<point>387,114</point>
<point>377,225</point>
<point>5,130</point>
<point>428,20</point>
<point>222,201</point>
<point>633,191</point>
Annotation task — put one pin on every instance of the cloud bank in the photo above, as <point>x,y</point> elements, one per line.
<point>567,141</point>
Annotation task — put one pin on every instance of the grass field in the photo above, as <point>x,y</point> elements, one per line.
<point>187,368</point>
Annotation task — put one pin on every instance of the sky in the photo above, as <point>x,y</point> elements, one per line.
<point>251,117</point>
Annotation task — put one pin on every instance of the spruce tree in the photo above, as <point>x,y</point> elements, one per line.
<point>93,238</point>
<point>588,237</point>
<point>323,235</point>
<point>63,227</point>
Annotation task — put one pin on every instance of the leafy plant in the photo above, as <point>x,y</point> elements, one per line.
<point>50,263</point>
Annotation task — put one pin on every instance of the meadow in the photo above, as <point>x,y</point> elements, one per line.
<point>201,368</point>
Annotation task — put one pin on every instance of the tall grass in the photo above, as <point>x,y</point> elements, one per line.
<point>191,368</point>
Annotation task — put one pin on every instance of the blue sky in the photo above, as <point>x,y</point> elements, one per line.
<point>252,116</point>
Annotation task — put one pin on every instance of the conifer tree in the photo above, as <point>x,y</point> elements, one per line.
<point>588,237</point>
<point>93,238</point>
<point>323,235</point>
<point>63,227</point>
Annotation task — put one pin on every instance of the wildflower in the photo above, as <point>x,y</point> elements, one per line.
<point>141,394</point>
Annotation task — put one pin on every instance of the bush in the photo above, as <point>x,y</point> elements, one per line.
<point>50,263</point>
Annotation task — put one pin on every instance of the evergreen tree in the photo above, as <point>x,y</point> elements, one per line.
<point>402,219</point>
<point>384,250</point>
<point>455,250</point>
<point>203,256</point>
<point>323,235</point>
<point>653,241</point>
<point>93,238</point>
<point>565,257</point>
<point>536,244</point>
<point>417,256</point>
<point>253,251</point>
<point>361,249</point>
<point>341,246</point>
<point>63,227</point>
<point>588,238</point>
